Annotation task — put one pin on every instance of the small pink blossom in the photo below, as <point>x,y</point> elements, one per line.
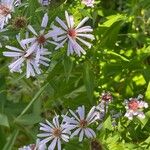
<point>134,107</point>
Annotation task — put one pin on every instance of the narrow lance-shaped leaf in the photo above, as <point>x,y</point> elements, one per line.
<point>88,81</point>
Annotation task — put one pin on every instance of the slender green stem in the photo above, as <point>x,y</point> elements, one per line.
<point>33,100</point>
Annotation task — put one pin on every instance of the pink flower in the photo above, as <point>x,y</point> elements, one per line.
<point>134,107</point>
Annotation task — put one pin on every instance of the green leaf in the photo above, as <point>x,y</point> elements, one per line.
<point>147,94</point>
<point>118,55</point>
<point>109,35</point>
<point>75,93</point>
<point>146,119</point>
<point>107,123</point>
<point>37,105</point>
<point>88,81</point>
<point>33,100</point>
<point>11,141</point>
<point>3,137</point>
<point>68,65</point>
<point>84,145</point>
<point>112,19</point>
<point>4,120</point>
<point>29,119</point>
<point>33,5</point>
<point>2,92</point>
<point>147,140</point>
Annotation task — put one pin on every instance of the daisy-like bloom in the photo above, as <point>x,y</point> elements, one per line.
<point>39,40</point>
<point>88,3</point>
<point>134,107</point>
<point>80,124</point>
<point>6,8</point>
<point>71,34</point>
<point>33,61</point>
<point>44,2</point>
<point>54,133</point>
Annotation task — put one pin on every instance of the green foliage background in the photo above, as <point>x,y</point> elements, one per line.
<point>119,62</point>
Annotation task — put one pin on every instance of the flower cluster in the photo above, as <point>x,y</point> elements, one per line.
<point>77,123</point>
<point>65,127</point>
<point>33,52</point>
<point>32,61</point>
